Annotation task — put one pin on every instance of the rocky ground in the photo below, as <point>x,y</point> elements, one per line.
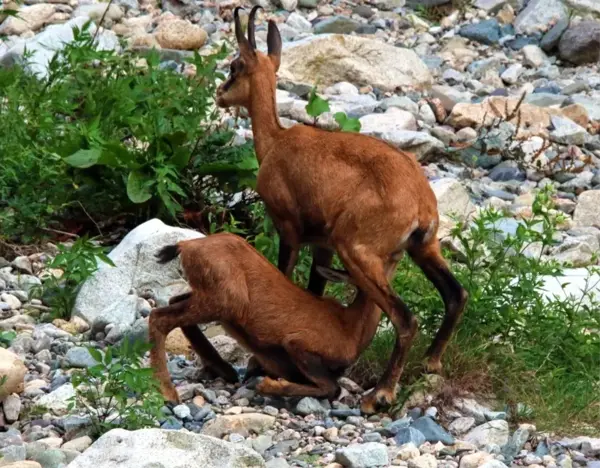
<point>254,431</point>
<point>420,85</point>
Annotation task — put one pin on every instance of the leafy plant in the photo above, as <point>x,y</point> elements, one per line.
<point>118,391</point>
<point>513,340</point>
<point>6,338</point>
<point>347,124</point>
<point>317,106</point>
<point>109,134</point>
<point>77,262</point>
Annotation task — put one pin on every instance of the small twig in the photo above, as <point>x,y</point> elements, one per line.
<point>91,219</point>
<point>58,231</point>
<point>101,22</point>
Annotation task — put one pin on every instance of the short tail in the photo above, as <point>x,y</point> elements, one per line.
<point>168,253</point>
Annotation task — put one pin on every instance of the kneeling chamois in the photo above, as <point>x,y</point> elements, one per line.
<point>302,342</point>
<point>347,193</point>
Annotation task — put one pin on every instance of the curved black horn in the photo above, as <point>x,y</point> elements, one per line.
<point>239,34</point>
<point>251,26</point>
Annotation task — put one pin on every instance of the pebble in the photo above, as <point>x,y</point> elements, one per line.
<point>182,412</point>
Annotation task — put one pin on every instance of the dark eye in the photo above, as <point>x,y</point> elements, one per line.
<point>236,67</point>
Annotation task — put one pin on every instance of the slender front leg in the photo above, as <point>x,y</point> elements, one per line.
<point>210,357</point>
<point>321,257</point>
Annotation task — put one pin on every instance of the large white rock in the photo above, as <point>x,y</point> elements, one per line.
<point>572,284</point>
<point>421,144</point>
<point>57,401</point>
<point>392,120</point>
<point>110,296</point>
<point>453,198</point>
<point>159,448</point>
<point>493,432</point>
<point>327,59</point>
<point>539,15</point>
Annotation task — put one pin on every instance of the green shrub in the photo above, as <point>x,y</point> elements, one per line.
<point>109,134</point>
<point>78,262</point>
<point>118,391</point>
<point>511,341</point>
<point>6,338</point>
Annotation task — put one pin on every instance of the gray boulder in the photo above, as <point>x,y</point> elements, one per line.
<point>367,455</point>
<point>421,144</point>
<point>580,43</point>
<point>328,59</point>
<point>539,14</point>
<point>111,295</point>
<point>147,448</point>
<point>591,6</point>
<point>486,32</point>
<point>493,432</point>
<point>336,25</point>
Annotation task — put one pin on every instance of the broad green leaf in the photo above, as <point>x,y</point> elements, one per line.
<point>14,13</point>
<point>84,158</point>
<point>137,187</point>
<point>347,124</point>
<point>247,164</point>
<point>97,355</point>
<point>181,158</point>
<point>105,258</point>
<point>316,105</point>
<point>108,356</point>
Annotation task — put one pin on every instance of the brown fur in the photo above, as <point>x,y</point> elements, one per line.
<point>306,340</point>
<point>348,193</point>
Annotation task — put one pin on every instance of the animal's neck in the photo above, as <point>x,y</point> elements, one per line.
<point>363,316</point>
<point>263,112</point>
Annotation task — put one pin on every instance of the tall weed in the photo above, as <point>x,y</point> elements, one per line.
<point>513,340</point>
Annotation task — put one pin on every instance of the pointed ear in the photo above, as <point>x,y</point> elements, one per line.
<point>335,276</point>
<point>274,45</point>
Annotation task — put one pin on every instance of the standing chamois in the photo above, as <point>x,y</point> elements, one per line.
<point>343,192</point>
<point>304,341</point>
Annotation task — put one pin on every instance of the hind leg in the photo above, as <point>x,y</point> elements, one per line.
<point>323,383</point>
<point>371,274</point>
<point>321,257</point>
<point>162,321</point>
<point>429,258</point>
